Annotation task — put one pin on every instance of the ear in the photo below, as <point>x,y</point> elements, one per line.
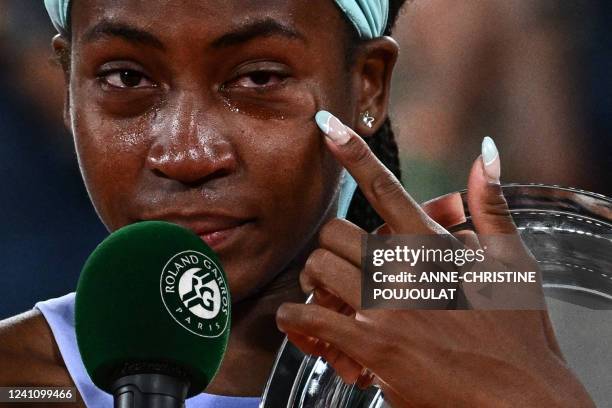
<point>374,66</point>
<point>61,48</point>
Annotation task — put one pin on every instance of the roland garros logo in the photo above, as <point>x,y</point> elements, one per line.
<point>195,293</point>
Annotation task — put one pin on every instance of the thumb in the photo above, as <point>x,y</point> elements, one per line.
<point>499,237</point>
<point>486,202</point>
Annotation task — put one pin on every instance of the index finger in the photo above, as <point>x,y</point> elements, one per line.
<point>381,188</point>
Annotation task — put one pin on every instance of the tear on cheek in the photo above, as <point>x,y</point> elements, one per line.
<point>289,105</point>
<point>255,110</point>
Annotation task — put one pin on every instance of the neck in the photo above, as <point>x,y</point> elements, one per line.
<point>255,339</point>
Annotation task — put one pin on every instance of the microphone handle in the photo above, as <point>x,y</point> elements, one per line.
<point>150,391</point>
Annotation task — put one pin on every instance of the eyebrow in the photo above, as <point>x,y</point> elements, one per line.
<point>106,29</point>
<point>261,28</point>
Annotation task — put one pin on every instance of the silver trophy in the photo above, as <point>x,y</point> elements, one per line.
<point>569,231</point>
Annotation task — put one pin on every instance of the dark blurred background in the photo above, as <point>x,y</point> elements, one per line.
<point>534,75</point>
<point>48,225</point>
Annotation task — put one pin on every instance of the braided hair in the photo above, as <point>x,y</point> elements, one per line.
<point>382,143</point>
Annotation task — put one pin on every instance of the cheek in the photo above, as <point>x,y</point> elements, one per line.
<point>284,153</point>
<point>297,171</point>
<point>287,159</point>
<point>111,156</point>
<point>294,180</point>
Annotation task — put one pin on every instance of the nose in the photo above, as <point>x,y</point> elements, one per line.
<point>189,144</point>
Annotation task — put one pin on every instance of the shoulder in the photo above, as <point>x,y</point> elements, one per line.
<point>29,352</point>
<point>30,356</point>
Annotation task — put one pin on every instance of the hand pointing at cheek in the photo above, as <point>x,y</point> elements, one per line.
<point>425,358</point>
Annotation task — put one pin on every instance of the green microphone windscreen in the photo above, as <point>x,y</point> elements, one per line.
<point>152,296</point>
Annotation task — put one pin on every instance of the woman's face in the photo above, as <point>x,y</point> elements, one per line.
<point>201,113</point>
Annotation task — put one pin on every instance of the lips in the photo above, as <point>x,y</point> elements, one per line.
<point>214,239</point>
<point>217,231</point>
<point>220,233</point>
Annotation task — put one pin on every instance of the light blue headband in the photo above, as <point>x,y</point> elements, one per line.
<point>58,12</point>
<point>368,16</point>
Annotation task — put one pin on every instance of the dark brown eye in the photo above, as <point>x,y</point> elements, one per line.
<point>127,78</point>
<point>130,78</point>
<point>260,78</point>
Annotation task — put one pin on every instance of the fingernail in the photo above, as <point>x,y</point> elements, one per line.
<point>490,160</point>
<point>332,127</point>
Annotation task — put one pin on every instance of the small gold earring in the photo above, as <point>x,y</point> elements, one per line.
<point>367,119</point>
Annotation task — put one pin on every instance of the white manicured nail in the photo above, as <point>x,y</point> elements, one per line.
<point>332,127</point>
<point>490,160</point>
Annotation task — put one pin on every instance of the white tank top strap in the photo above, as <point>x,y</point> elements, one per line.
<point>59,313</point>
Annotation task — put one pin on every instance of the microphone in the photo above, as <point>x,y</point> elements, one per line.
<point>152,315</point>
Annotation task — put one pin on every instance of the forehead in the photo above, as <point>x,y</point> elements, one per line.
<point>201,20</point>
